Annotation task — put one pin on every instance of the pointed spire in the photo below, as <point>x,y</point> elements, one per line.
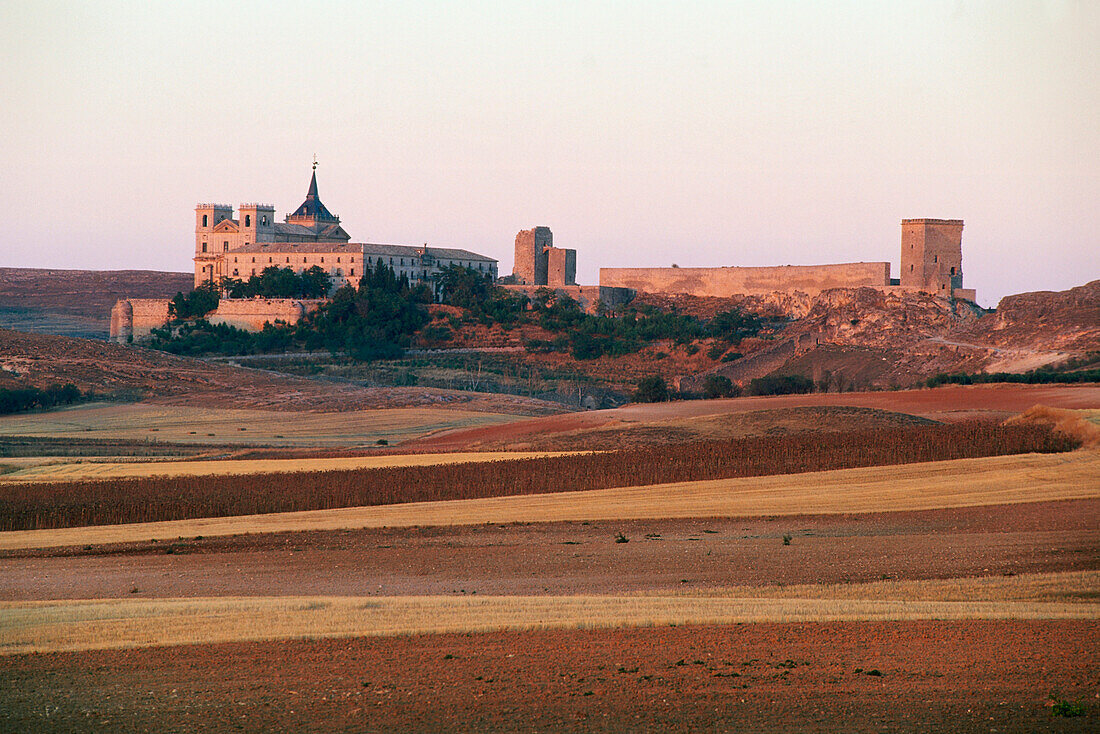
<point>312,211</point>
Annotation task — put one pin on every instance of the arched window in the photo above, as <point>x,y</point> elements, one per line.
<point>204,247</point>
<point>248,220</point>
<point>263,220</point>
<point>205,220</point>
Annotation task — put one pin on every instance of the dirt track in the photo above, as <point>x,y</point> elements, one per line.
<point>852,677</point>
<point>576,558</point>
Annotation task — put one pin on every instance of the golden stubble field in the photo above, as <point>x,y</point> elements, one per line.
<point>188,424</point>
<point>55,626</point>
<point>37,471</point>
<point>924,486</point>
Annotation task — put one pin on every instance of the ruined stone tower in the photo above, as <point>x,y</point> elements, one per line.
<point>530,267</point>
<point>931,256</point>
<point>538,262</point>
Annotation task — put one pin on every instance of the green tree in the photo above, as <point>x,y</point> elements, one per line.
<point>651,390</point>
<point>718,386</point>
<point>195,304</point>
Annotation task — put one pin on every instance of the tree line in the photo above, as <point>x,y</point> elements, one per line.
<point>20,399</point>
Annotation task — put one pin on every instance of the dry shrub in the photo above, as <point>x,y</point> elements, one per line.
<point>1069,423</point>
<point>73,504</point>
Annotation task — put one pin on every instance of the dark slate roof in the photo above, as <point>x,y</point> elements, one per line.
<point>312,206</point>
<point>445,253</point>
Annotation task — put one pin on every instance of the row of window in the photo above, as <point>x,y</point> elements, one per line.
<point>304,259</point>
<point>247,220</point>
<point>370,260</point>
<point>339,272</point>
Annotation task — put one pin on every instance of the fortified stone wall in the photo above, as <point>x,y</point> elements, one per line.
<point>724,282</point>
<point>135,318</point>
<point>251,314</point>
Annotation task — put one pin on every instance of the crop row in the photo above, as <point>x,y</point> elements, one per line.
<point>72,504</point>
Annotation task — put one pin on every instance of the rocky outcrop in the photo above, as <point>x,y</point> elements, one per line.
<point>1051,320</point>
<point>860,337</point>
<point>871,317</point>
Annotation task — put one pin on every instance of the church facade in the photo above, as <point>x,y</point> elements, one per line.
<point>238,248</point>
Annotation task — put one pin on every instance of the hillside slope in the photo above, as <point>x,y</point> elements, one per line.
<point>861,337</point>
<point>77,302</point>
<point>113,369</point>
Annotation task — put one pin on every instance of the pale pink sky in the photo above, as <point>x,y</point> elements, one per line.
<point>724,133</point>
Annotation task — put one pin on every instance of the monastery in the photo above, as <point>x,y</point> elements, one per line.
<point>312,236</point>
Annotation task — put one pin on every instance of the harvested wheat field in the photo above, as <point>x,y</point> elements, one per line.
<point>948,403</point>
<point>58,626</point>
<point>188,424</point>
<point>958,483</point>
<point>955,595</point>
<point>103,470</point>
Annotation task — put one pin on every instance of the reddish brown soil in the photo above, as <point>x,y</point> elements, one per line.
<point>576,558</point>
<point>949,403</point>
<point>845,677</point>
<point>41,360</point>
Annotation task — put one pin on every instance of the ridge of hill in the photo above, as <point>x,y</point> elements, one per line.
<point>77,302</point>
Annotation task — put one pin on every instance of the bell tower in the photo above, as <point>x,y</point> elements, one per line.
<point>208,216</point>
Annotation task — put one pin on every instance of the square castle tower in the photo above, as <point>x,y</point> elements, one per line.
<point>931,257</point>
<point>538,262</point>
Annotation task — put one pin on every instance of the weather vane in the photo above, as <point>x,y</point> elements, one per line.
<point>314,161</point>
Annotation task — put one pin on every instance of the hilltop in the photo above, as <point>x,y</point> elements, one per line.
<point>842,339</point>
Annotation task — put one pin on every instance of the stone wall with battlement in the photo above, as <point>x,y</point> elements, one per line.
<point>748,281</point>
<point>251,314</point>
<point>134,319</point>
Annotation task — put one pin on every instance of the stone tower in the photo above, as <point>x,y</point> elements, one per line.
<point>257,222</point>
<point>207,217</point>
<point>931,256</point>
<point>531,244</point>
